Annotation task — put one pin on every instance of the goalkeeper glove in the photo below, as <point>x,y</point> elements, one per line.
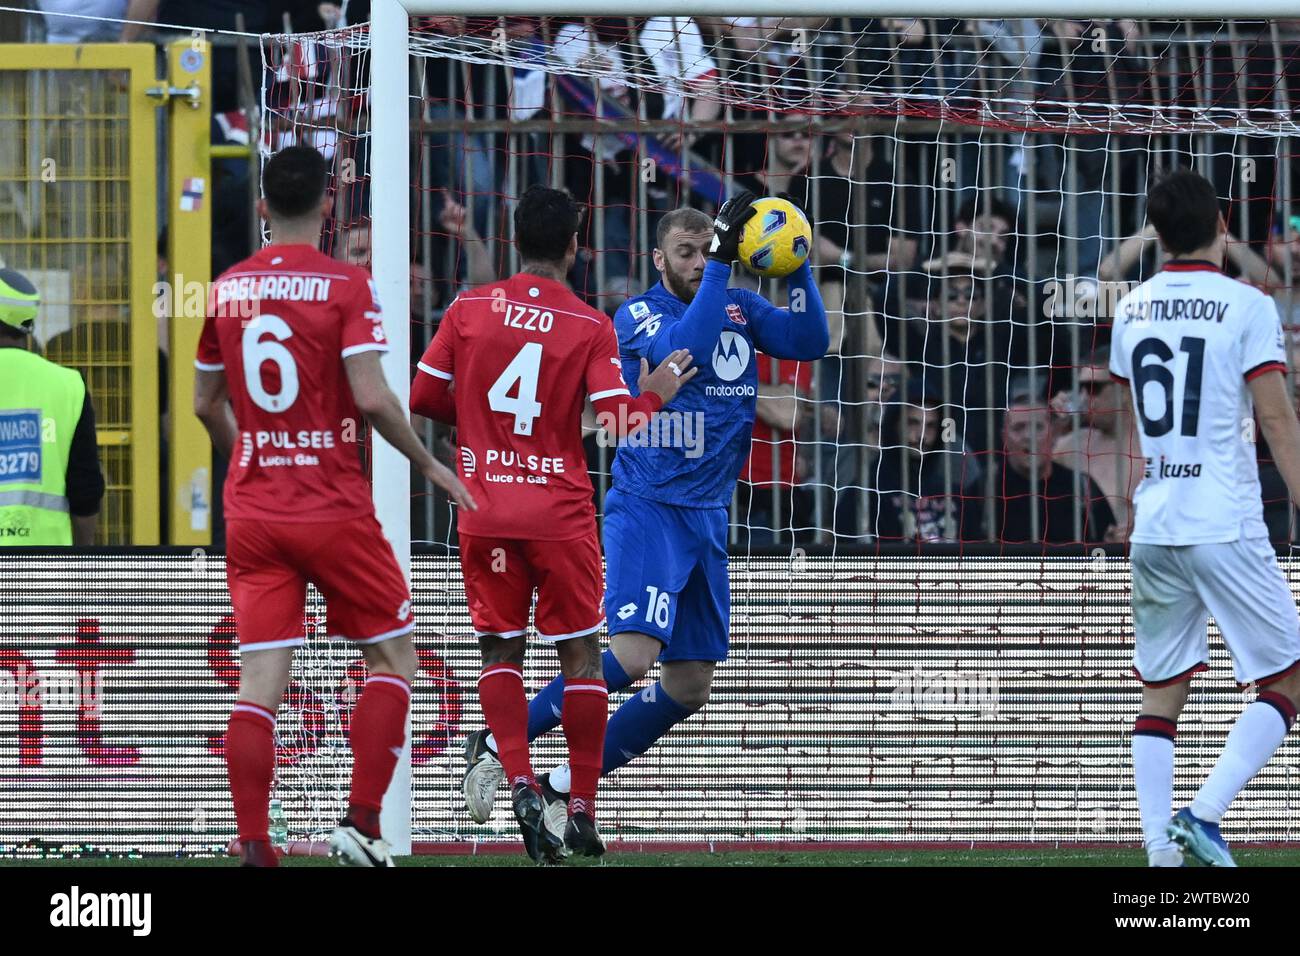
<point>727,226</point>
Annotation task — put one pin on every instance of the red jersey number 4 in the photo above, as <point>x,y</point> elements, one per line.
<point>520,377</point>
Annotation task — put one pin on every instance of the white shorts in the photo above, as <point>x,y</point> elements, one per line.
<point>1175,587</point>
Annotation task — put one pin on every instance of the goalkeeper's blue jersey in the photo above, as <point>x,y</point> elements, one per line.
<point>692,456</point>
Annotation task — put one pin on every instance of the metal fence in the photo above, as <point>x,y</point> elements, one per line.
<point>78,175</point>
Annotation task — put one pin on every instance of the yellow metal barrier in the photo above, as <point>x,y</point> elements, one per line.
<point>189,258</point>
<point>78,198</point>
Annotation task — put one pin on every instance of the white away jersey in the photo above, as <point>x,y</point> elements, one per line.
<point>1187,342</point>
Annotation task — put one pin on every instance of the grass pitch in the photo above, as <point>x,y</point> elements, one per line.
<point>911,857</point>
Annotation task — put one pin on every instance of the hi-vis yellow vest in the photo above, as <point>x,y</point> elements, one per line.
<point>40,404</point>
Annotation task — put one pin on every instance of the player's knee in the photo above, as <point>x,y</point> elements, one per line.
<point>1165,701</point>
<point>502,650</point>
<point>635,653</point>
<point>580,658</point>
<point>692,698</point>
<point>264,675</point>
<point>1288,687</point>
<point>688,682</point>
<point>396,656</point>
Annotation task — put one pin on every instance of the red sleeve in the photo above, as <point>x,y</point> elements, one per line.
<point>616,410</point>
<point>603,376</point>
<point>363,325</point>
<point>431,394</point>
<point>622,414</point>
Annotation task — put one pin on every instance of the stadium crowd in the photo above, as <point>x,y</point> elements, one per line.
<point>965,397</point>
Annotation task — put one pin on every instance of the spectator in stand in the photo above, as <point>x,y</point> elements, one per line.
<point>1284,250</point>
<point>839,200</point>
<point>1105,445</point>
<point>789,157</point>
<point>830,196</point>
<point>854,216</point>
<point>688,76</point>
<point>472,164</point>
<point>893,214</point>
<point>957,348</point>
<point>356,247</point>
<point>783,59</point>
<point>458,226</point>
<point>344,14</point>
<point>64,29</point>
<point>1036,497</point>
<point>983,239</point>
<point>930,486</point>
<point>984,247</point>
<point>1137,258</point>
<point>772,55</point>
<point>783,412</point>
<point>1081,61</point>
<point>1284,263</point>
<point>681,60</point>
<point>854,445</point>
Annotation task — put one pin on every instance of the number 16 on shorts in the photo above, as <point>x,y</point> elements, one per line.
<point>661,607</point>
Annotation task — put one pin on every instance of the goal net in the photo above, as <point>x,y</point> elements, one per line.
<point>930,625</point>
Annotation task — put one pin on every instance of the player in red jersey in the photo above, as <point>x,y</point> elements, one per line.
<point>511,366</point>
<point>288,363</point>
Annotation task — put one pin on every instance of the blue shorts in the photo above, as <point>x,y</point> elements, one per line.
<point>666,576</point>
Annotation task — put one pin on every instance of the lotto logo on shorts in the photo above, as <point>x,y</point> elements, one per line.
<point>403,610</point>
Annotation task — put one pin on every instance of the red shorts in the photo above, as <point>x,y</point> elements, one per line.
<point>501,573</point>
<point>268,565</point>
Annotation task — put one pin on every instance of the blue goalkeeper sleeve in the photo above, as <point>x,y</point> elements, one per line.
<point>800,332</point>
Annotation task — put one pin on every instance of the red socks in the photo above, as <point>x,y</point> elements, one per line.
<point>585,712</point>
<point>378,732</point>
<point>501,695</point>
<point>250,764</point>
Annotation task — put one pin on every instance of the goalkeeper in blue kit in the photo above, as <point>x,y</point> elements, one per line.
<point>667,596</point>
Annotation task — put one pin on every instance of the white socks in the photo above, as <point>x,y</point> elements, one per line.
<point>1153,774</point>
<point>1256,735</point>
<point>1254,738</point>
